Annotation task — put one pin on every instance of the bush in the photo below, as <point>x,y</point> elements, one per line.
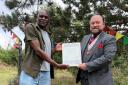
<point>119,77</point>
<point>9,56</point>
<point>58,57</point>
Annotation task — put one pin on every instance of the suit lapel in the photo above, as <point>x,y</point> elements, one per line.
<point>92,50</point>
<point>97,42</point>
<point>85,43</point>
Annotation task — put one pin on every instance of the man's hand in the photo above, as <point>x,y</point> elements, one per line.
<point>58,47</point>
<point>82,66</point>
<point>62,66</point>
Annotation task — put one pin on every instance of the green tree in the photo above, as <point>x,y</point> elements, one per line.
<point>71,24</point>
<point>122,4</point>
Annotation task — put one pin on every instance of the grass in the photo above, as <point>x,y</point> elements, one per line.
<point>7,73</point>
<point>63,77</point>
<point>119,77</point>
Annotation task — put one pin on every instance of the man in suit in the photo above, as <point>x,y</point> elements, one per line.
<point>98,49</point>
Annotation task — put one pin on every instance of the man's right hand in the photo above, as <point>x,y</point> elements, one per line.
<point>62,66</point>
<point>82,66</point>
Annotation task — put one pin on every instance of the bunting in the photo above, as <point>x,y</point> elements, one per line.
<point>112,32</point>
<point>125,40</point>
<point>13,36</point>
<point>16,43</point>
<point>118,35</point>
<point>15,39</point>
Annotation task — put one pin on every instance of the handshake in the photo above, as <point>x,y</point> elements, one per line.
<point>82,66</point>
<point>62,66</point>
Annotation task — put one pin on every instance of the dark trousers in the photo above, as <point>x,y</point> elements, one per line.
<point>84,82</point>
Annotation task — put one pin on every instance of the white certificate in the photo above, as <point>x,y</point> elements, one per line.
<point>71,54</point>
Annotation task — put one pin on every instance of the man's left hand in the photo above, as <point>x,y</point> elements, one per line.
<point>58,47</point>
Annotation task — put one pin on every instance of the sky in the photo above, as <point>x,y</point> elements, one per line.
<point>6,41</point>
<point>3,8</point>
<point>5,38</point>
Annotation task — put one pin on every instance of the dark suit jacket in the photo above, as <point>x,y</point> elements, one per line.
<point>98,60</point>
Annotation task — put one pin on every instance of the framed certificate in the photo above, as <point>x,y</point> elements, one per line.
<point>71,54</point>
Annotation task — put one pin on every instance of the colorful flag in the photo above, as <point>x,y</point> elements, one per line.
<point>112,32</point>
<point>125,40</point>
<point>16,44</point>
<point>109,30</point>
<point>15,40</point>
<point>118,35</point>
<point>13,36</point>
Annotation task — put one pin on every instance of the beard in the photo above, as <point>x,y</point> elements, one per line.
<point>96,31</point>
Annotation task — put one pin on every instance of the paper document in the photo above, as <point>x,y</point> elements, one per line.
<point>71,54</point>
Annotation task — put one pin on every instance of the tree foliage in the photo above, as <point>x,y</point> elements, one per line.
<point>9,56</point>
<point>10,21</point>
<point>122,4</point>
<point>71,24</point>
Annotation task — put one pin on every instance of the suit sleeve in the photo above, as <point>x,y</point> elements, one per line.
<point>105,59</point>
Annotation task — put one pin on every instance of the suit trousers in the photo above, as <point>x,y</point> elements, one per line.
<point>84,82</point>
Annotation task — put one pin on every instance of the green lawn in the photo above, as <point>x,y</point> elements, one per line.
<point>7,73</point>
<point>62,77</point>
